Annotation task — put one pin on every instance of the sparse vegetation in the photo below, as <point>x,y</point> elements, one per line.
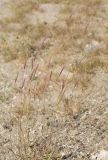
<point>57,75</point>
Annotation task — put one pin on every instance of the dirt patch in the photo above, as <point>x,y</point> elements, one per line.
<point>42,16</point>
<point>53,82</point>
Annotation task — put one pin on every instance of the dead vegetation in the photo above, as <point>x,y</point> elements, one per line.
<point>57,64</point>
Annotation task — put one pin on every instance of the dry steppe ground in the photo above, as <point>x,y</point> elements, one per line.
<point>53,80</point>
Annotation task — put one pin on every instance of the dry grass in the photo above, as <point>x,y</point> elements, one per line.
<point>20,9</point>
<point>69,1</point>
<point>43,91</point>
<point>23,43</point>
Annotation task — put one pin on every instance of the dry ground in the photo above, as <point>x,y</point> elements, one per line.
<point>53,80</point>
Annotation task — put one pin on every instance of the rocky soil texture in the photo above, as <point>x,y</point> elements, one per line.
<point>53,80</point>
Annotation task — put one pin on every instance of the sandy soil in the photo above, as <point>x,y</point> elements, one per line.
<point>78,134</point>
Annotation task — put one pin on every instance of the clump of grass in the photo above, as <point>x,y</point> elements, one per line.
<point>89,66</point>
<point>35,136</point>
<point>22,43</point>
<point>20,9</point>
<point>29,143</point>
<point>3,97</point>
<point>25,109</point>
<point>82,81</point>
<point>71,107</point>
<point>86,69</point>
<point>105,67</point>
<point>67,1</point>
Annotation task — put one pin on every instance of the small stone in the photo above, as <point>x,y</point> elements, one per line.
<point>92,47</point>
<point>102,155</point>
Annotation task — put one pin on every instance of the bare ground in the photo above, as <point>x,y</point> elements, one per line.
<point>53,104</point>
